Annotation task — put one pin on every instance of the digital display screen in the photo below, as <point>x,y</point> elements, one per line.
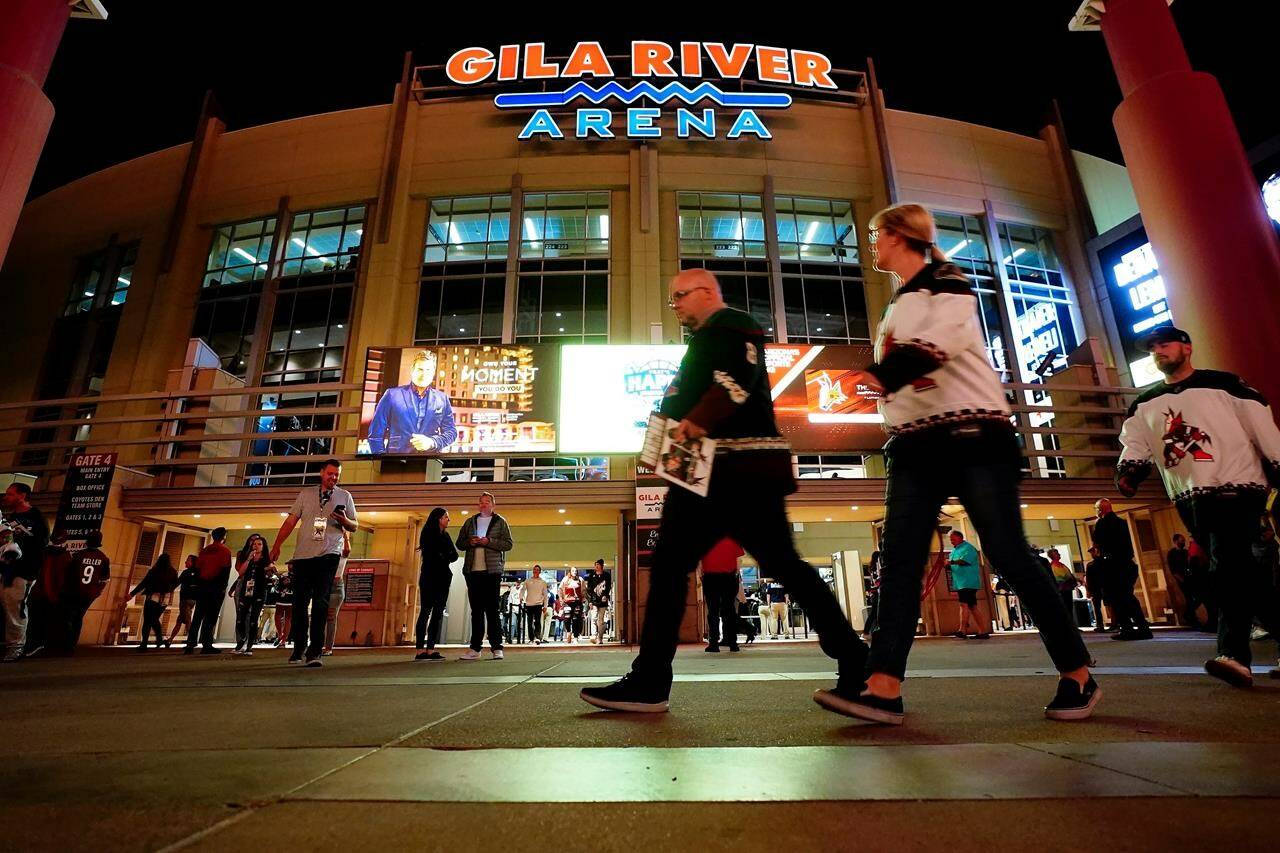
<point>468,399</point>
<point>1139,300</point>
<point>607,393</point>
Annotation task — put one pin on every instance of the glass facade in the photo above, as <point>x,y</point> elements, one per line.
<point>464,271</point>
<point>574,468</point>
<point>724,233</point>
<point>231,290</point>
<point>562,293</point>
<point>241,253</point>
<point>821,275</point>
<point>102,279</point>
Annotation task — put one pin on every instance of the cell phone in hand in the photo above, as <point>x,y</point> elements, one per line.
<point>341,509</point>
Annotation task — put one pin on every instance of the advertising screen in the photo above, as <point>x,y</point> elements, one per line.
<point>818,405</point>
<point>607,393</point>
<point>469,399</point>
<point>1138,299</point>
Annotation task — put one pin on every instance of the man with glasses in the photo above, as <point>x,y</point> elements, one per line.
<point>722,391</point>
<point>326,511</point>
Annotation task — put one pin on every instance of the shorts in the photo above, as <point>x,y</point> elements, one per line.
<point>185,608</point>
<point>968,596</point>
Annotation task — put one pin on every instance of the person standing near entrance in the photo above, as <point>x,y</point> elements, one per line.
<point>949,435</point>
<point>485,539</point>
<point>1111,536</point>
<point>30,535</point>
<point>571,598</point>
<point>337,595</point>
<point>90,572</point>
<point>213,570</point>
<point>250,591</point>
<point>188,593</point>
<point>434,579</point>
<point>721,391</point>
<point>1094,573</point>
<point>45,601</point>
<point>966,575</point>
<point>535,600</point>
<point>160,580</point>
<point>1064,579</point>
<point>599,596</point>
<point>327,513</point>
<point>1218,449</point>
<point>720,586</point>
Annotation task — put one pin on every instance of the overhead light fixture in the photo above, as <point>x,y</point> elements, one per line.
<point>454,236</point>
<point>123,280</point>
<point>604,224</point>
<point>531,228</point>
<point>562,510</point>
<point>828,519</point>
<point>197,515</point>
<point>854,508</point>
<point>1015,254</point>
<point>1024,506</point>
<point>306,248</point>
<point>957,247</point>
<point>246,527</point>
<point>568,522</point>
<point>246,255</point>
<point>284,515</point>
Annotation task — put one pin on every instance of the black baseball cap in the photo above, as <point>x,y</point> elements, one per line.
<point>1164,335</point>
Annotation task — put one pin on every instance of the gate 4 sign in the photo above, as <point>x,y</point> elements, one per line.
<point>84,496</point>
<point>682,75</point>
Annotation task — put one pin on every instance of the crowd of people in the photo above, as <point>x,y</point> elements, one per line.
<point>1212,439</point>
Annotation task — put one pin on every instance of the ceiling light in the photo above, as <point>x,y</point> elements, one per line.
<point>123,280</point>
<point>531,228</point>
<point>828,519</point>
<point>568,522</point>
<point>284,515</point>
<point>246,527</point>
<point>373,513</point>
<point>957,247</point>
<point>604,224</point>
<point>301,245</point>
<point>812,230</point>
<point>854,508</point>
<point>196,515</point>
<point>562,510</point>
<point>245,254</point>
<point>1024,506</point>
<point>465,512</point>
<point>1014,255</point>
<point>1050,517</point>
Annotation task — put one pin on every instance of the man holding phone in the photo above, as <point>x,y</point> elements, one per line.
<point>325,511</point>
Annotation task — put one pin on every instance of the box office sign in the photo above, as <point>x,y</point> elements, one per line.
<point>709,85</point>
<point>84,496</point>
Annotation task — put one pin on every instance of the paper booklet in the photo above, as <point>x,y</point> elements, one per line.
<point>687,465</point>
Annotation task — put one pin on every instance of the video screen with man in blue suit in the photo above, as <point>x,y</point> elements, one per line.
<point>458,399</point>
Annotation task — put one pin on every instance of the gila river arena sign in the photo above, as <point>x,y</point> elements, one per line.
<point>688,77</point>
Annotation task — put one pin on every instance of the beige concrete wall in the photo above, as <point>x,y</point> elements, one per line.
<point>1107,187</point>
<point>950,165</point>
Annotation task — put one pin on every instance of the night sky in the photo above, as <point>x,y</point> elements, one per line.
<point>134,84</point>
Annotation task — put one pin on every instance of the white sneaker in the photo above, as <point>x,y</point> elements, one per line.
<point>469,654</point>
<point>496,655</point>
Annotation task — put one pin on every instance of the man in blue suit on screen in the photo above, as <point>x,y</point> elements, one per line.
<point>413,418</point>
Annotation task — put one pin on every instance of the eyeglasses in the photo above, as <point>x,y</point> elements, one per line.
<point>681,294</point>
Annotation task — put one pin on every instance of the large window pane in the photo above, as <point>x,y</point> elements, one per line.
<point>823,291</point>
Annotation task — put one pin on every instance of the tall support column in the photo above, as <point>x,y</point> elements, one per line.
<point>770,203</point>
<point>516,233</point>
<point>1199,200</point>
<point>29,38</point>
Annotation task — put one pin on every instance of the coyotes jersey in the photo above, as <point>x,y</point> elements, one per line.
<point>90,570</point>
<point>1208,433</point>
<point>931,357</point>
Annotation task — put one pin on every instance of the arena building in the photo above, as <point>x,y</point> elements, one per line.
<point>226,314</point>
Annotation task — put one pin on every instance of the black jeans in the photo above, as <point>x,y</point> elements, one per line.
<point>433,593</point>
<point>1126,611</point>
<point>721,592</point>
<point>208,608</point>
<point>986,482</point>
<point>758,522</point>
<point>483,590</point>
<point>1225,525</point>
<point>247,613</point>
<point>151,612</point>
<point>312,583</point>
<point>533,613</point>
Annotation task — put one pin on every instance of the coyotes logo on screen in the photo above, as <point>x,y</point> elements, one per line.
<point>1181,440</point>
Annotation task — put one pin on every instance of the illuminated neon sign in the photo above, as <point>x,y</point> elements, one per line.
<point>684,76</point>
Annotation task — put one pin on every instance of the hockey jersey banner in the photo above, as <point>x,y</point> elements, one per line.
<point>1209,433</point>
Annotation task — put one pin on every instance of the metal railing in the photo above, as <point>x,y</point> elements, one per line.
<point>180,438</point>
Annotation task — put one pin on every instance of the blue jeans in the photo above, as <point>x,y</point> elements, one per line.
<point>983,472</point>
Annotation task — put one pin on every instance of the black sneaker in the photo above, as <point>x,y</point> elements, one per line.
<point>959,635</point>
<point>1229,670</point>
<point>735,648</point>
<point>314,662</point>
<point>850,701</point>
<point>296,657</point>
<point>211,650</point>
<point>983,636</point>
<point>188,650</point>
<point>712,649</point>
<point>1072,703</point>
<point>629,694</point>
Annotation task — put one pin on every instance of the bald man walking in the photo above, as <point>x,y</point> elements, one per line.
<point>722,391</point>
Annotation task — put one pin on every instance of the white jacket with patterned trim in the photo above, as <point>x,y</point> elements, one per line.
<point>931,357</point>
<point>1207,434</point>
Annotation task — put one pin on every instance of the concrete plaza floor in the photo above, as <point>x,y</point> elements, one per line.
<point>114,750</point>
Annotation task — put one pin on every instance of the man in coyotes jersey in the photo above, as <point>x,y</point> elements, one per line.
<point>1215,443</point>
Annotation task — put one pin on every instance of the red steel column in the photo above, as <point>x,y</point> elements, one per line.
<point>1200,203</point>
<point>29,36</point>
